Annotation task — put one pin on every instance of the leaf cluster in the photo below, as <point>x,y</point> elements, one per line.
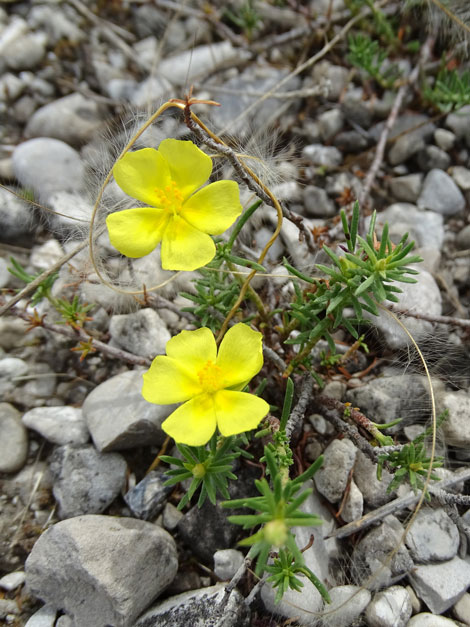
<point>411,461</point>
<point>367,54</point>
<point>209,468</point>
<point>43,290</point>
<point>451,90</point>
<point>73,312</point>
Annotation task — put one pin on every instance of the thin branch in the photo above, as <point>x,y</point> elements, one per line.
<point>450,320</point>
<point>274,357</point>
<point>396,505</point>
<point>298,413</point>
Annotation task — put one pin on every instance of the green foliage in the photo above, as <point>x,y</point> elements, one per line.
<point>284,571</point>
<point>411,461</point>
<point>44,288</point>
<point>209,467</point>
<point>451,90</point>
<point>72,311</point>
<point>366,54</point>
<point>278,510</point>
<point>245,17</point>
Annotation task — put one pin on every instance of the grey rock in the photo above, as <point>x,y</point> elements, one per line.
<point>441,585</point>
<point>461,176</point>
<point>5,276</point>
<point>353,504</point>
<point>426,228</point>
<point>373,491</point>
<point>262,236</point>
<point>461,610</point>
<point>397,396</point>
<point>45,255</point>
<point>14,440</point>
<point>44,617</point>
<point>193,64</point>
<point>73,213</point>
<point>121,89</point>
<point>458,122</point>
<point>356,110</point>
<point>371,556</point>
<point>406,187</point>
<point>11,581</point>
<point>85,481</point>
<point>10,87</point>
<point>351,141</point>
<point>47,165</point>
<point>327,156</point>
<point>64,621</point>
<point>16,218</point>
<point>404,148</point>
<point>433,537</point>
<point>347,604</point>
<point>421,297</point>
<point>171,517</point>
<point>425,619</point>
<point>101,570</point>
<point>337,183</point>
<point>41,387</point>
<point>8,610</point>
<point>335,78</point>
<point>11,367</point>
<point>408,144</point>
<point>19,48</point>
<point>142,333</point>
<point>58,25</point>
<point>439,193</point>
<point>147,498</point>
<point>226,563</point>
<point>389,608</point>
<point>433,157</point>
<point>444,139</point>
<point>60,425</point>
<point>330,123</point>
<point>118,417</point>
<point>316,202</point>
<point>335,389</point>
<point>199,608</point>
<point>332,478</point>
<point>148,20</point>
<point>150,90</point>
<point>455,427</point>
<point>74,119</point>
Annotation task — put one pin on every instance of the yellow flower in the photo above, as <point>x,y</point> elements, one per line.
<point>208,383</point>
<point>180,216</point>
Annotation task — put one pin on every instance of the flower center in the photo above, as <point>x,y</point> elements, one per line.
<point>170,198</point>
<point>210,377</point>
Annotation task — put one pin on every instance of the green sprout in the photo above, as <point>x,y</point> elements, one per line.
<point>43,290</point>
<point>451,90</point>
<point>366,54</point>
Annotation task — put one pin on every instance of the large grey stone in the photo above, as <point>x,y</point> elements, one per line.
<point>441,585</point>
<point>198,608</point>
<point>455,427</point>
<point>44,617</point>
<point>16,218</point>
<point>101,570</point>
<point>118,417</point>
<point>371,556</point>
<point>60,425</point>
<point>13,440</point>
<point>389,608</point>
<point>426,619</point>
<point>332,478</point>
<point>425,228</point>
<point>74,119</point>
<point>46,165</point>
<point>433,537</point>
<point>347,604</point>
<point>85,481</point>
<point>373,491</point>
<point>440,193</point>
<point>406,187</point>
<point>142,333</point>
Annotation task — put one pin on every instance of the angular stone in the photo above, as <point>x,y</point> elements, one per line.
<point>101,570</point>
<point>85,481</point>
<point>441,585</point>
<point>389,608</point>
<point>13,440</point>
<point>118,416</point>
<point>455,427</point>
<point>433,537</point>
<point>347,604</point>
<point>426,619</point>
<point>142,333</point>
<point>332,478</point>
<point>198,608</point>
<point>461,609</point>
<point>373,491</point>
<point>44,617</point>
<point>461,176</point>
<point>353,504</point>
<point>406,188</point>
<point>316,202</point>
<point>147,499</point>
<point>60,425</point>
<point>440,193</point>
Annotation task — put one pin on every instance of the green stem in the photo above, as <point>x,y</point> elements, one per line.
<point>250,291</point>
<point>301,356</point>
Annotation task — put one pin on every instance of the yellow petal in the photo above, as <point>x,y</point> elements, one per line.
<point>167,382</point>
<point>142,172</point>
<point>193,423</point>
<point>213,208</point>
<point>136,232</point>
<point>240,355</point>
<point>184,247</point>
<point>237,412</point>
<point>189,166</point>
<point>192,349</point>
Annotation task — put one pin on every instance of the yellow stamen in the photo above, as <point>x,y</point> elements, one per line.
<point>170,198</point>
<point>210,377</point>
